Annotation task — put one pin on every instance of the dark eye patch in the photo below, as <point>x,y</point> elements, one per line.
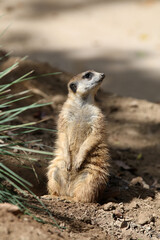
<point>88,75</point>
<point>73,87</point>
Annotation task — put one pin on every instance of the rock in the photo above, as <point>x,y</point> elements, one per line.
<point>108,206</point>
<point>143,218</point>
<point>133,205</point>
<point>10,208</point>
<point>139,181</point>
<point>117,224</point>
<point>124,224</point>
<point>121,206</point>
<point>118,213</point>
<point>148,228</point>
<point>133,225</point>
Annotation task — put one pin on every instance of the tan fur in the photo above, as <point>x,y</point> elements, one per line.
<point>80,167</point>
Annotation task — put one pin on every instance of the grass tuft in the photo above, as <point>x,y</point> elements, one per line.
<point>12,186</point>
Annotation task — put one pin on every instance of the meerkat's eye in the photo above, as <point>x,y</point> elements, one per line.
<point>88,75</point>
<point>73,87</point>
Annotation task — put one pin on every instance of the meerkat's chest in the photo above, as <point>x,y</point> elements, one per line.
<point>81,117</point>
<point>80,124</point>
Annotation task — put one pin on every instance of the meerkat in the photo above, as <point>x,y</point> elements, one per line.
<point>80,167</point>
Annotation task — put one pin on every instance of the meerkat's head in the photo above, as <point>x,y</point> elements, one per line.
<point>86,83</point>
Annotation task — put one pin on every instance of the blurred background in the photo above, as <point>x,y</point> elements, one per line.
<point>118,37</point>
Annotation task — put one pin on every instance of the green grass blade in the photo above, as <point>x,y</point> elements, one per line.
<point>7,104</point>
<point>18,80</point>
<point>5,72</point>
<point>32,150</point>
<point>9,127</point>
<point>11,173</point>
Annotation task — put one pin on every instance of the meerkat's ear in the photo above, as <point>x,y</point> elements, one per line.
<point>73,87</point>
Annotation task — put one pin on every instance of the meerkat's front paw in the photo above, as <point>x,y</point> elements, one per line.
<point>77,165</point>
<point>69,166</point>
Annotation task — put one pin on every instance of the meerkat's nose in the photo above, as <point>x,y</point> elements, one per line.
<point>102,75</point>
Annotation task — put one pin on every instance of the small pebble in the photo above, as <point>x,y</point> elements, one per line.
<point>117,214</point>
<point>124,224</point>
<point>108,206</point>
<point>143,218</point>
<point>133,205</point>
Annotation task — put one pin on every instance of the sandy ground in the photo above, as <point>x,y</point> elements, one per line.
<point>120,38</point>
<point>130,207</point>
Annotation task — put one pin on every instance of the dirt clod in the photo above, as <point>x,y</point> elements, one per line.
<point>10,208</point>
<point>109,206</point>
<point>124,224</point>
<point>144,218</point>
<point>139,181</point>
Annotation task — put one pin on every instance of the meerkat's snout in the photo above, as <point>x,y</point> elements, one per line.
<point>102,76</point>
<point>99,78</point>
